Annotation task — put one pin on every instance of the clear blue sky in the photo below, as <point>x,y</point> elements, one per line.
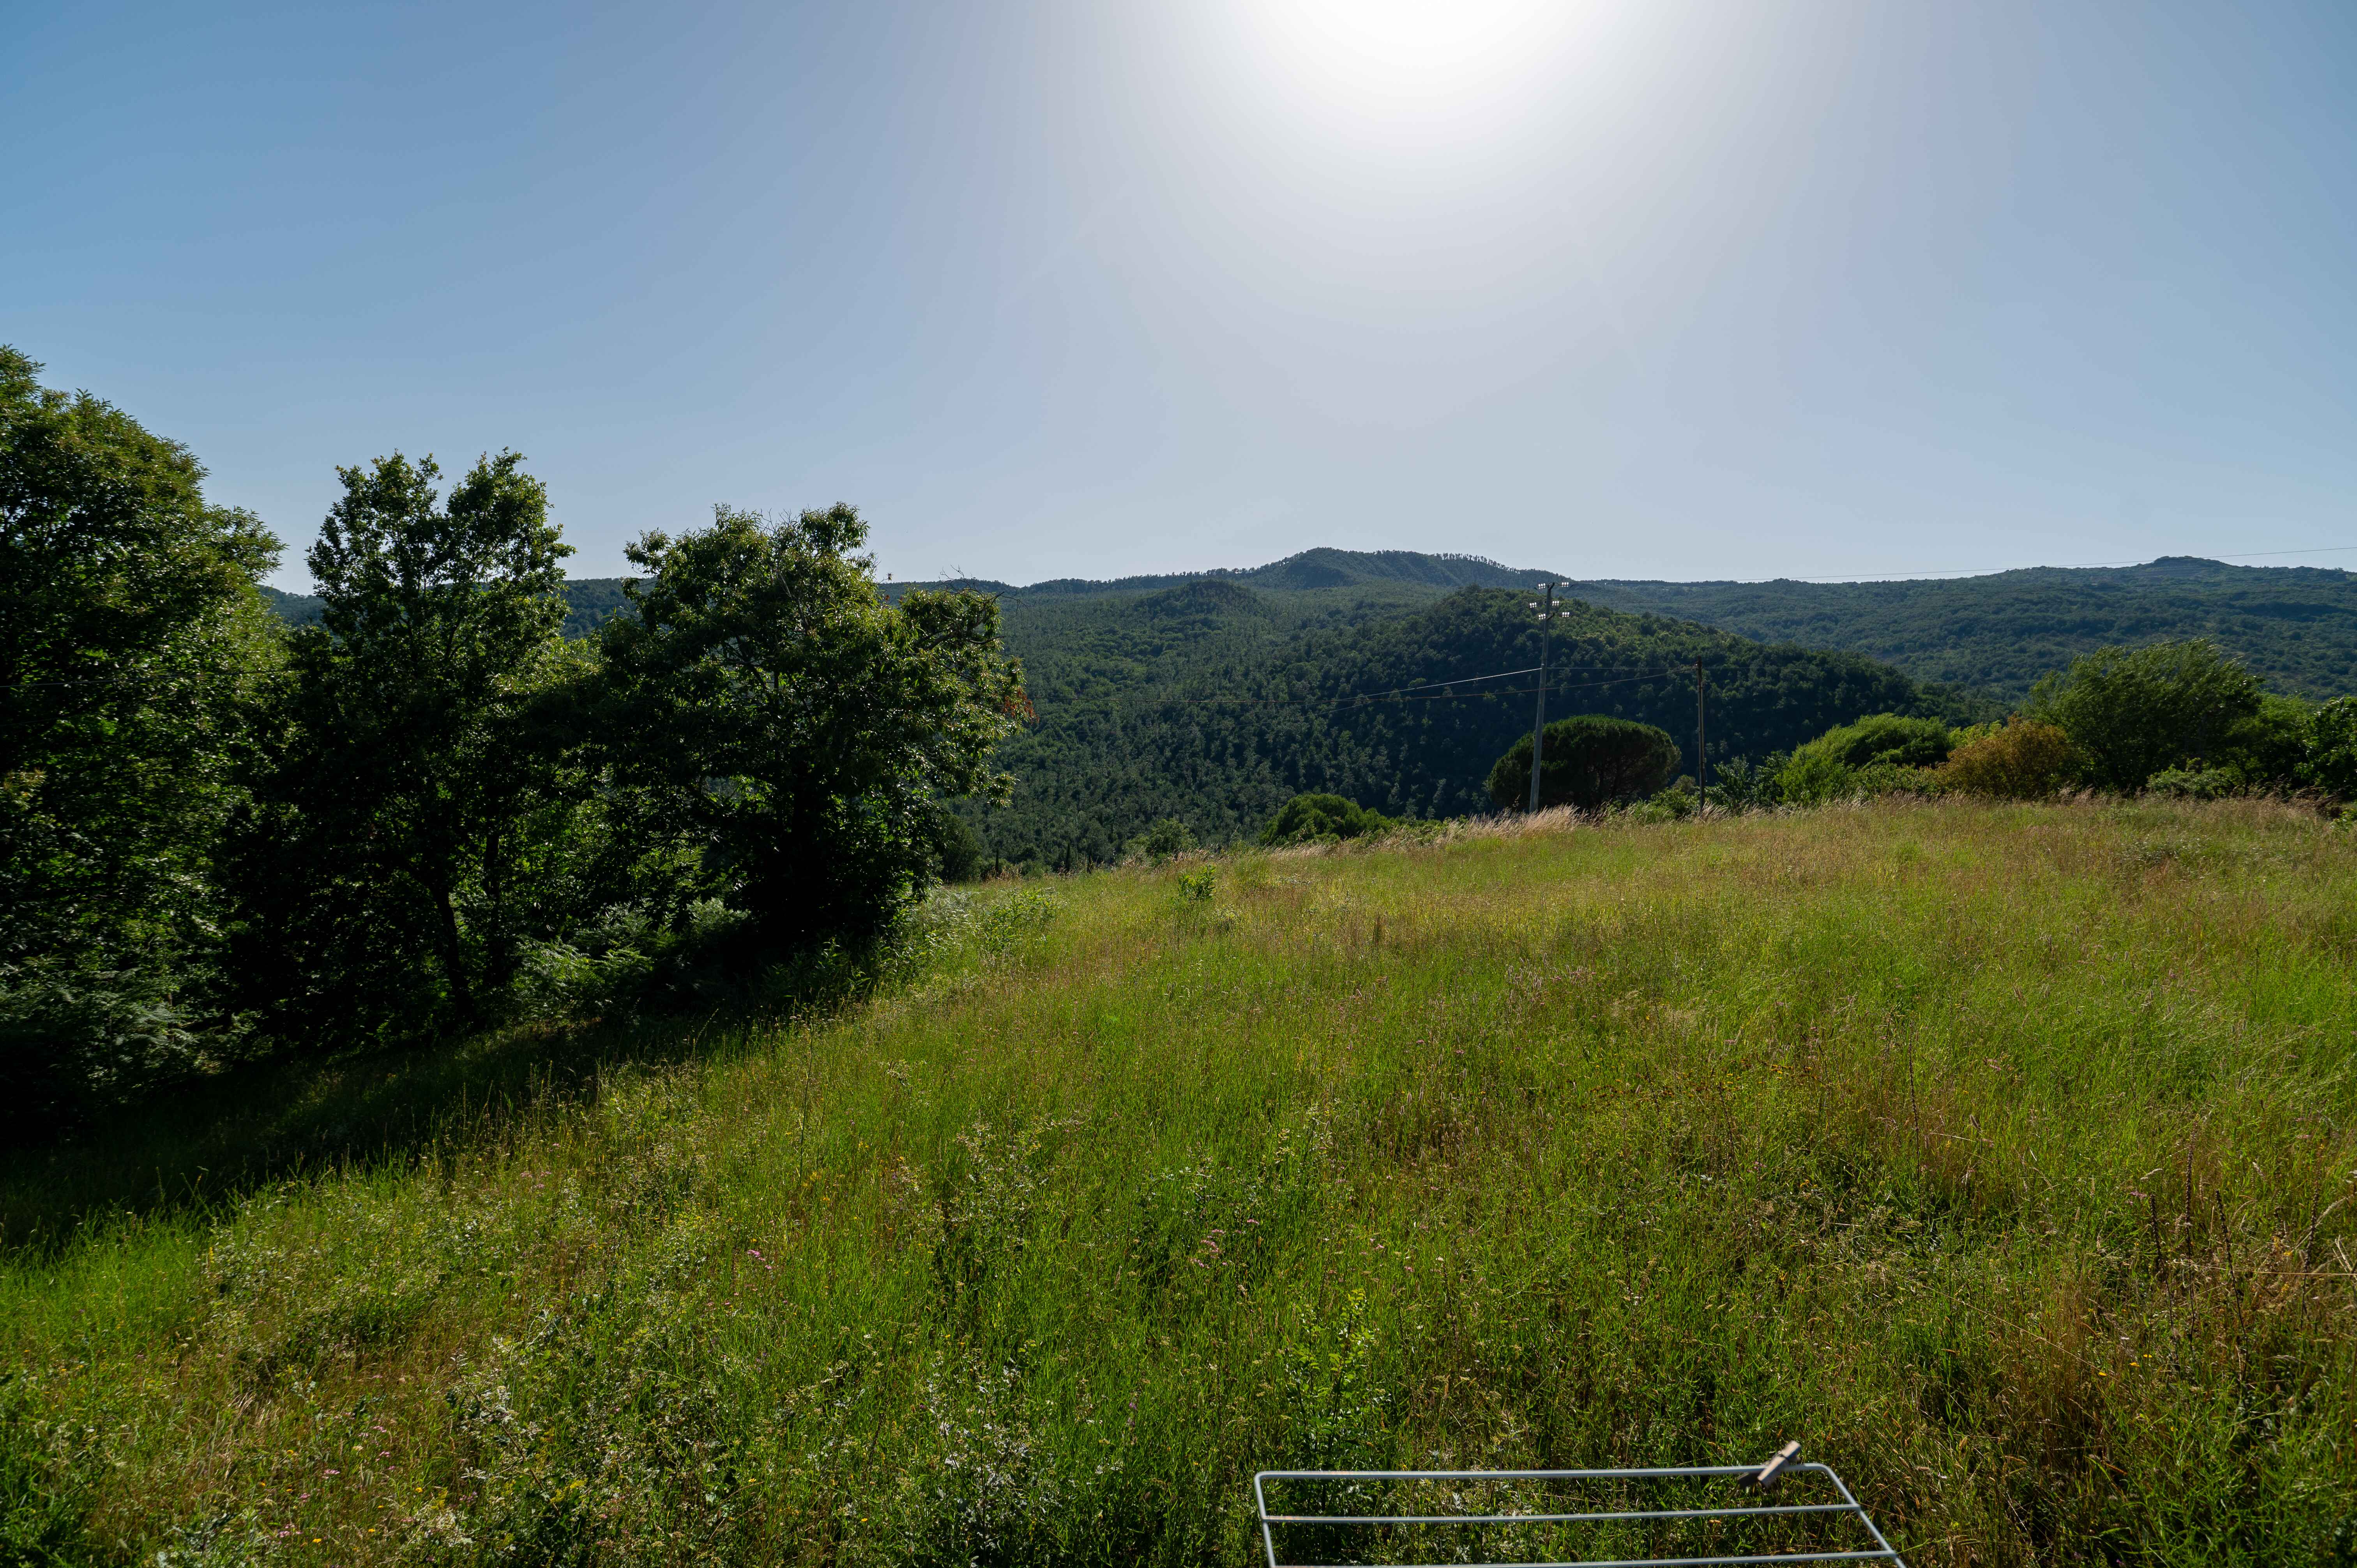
<point>1649,290</point>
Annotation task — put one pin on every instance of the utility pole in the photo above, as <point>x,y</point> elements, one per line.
<point>1702,732</point>
<point>1538,727</point>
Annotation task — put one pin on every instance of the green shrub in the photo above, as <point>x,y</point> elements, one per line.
<point>1591,760</point>
<point>2022,761</point>
<point>1165,838</point>
<point>2136,710</point>
<point>1680,800</point>
<point>1818,779</point>
<point>1316,818</point>
<point>74,1040</point>
<point>2193,783</point>
<point>956,850</point>
<point>2269,749</point>
<point>2332,761</point>
<point>625,961</point>
<point>1890,738</point>
<point>1740,784</point>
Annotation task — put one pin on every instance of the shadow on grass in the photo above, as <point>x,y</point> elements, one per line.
<point>197,1150</point>
<point>205,1145</point>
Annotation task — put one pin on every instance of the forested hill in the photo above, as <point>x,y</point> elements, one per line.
<point>2297,625</point>
<point>1214,703</point>
<point>1426,575</point>
<point>590,603</point>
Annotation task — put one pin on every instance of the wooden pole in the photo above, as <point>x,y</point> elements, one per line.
<point>1538,727</point>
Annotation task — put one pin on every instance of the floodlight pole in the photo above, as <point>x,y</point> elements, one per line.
<point>1538,725</point>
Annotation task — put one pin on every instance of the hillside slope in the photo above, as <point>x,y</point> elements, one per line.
<point>1214,703</point>
<point>2295,626</point>
<point>1998,1153</point>
<point>591,602</point>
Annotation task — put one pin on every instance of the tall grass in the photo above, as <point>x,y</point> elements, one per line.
<point>2001,1154</point>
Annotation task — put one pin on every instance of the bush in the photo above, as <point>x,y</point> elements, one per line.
<point>2193,783</point>
<point>1884,738</point>
<point>1318,819</point>
<point>2023,761</point>
<point>74,1041</point>
<point>1680,800</point>
<point>1165,838</point>
<point>2332,761</point>
<point>2269,749</point>
<point>2136,710</point>
<point>1591,760</point>
<point>1818,779</point>
<point>957,850</point>
<point>1740,784</point>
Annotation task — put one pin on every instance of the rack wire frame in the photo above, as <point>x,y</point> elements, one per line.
<point>1882,1551</point>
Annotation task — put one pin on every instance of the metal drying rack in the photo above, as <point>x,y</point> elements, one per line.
<point>1756,1477</point>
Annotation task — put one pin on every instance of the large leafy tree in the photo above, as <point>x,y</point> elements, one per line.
<point>1591,759</point>
<point>390,875</point>
<point>2332,760</point>
<point>129,623</point>
<point>2136,711</point>
<point>767,708</point>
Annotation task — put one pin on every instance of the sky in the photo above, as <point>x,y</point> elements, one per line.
<point>1073,289</point>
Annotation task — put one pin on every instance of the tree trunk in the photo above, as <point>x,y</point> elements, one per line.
<point>453,954</point>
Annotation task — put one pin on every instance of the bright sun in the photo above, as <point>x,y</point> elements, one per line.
<point>1405,51</point>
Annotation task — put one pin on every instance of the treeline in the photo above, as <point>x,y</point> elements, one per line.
<point>429,810</point>
<point>2296,627</point>
<point>2179,718</point>
<point>1212,705</point>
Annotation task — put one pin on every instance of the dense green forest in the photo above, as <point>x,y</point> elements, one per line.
<point>1212,697</point>
<point>2294,625</point>
<point>1214,703</point>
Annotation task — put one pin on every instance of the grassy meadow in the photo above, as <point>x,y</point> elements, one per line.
<point>2001,1154</point>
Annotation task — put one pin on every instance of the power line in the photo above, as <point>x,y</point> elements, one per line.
<point>1430,691</point>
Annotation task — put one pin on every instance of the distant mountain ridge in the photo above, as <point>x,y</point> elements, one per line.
<point>1997,633</point>
<point>1320,568</point>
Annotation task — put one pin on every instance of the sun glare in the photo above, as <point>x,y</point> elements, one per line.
<point>1410,51</point>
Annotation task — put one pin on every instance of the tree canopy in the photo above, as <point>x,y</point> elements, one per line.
<point>776,715</point>
<point>1311,818</point>
<point>129,624</point>
<point>1898,740</point>
<point>394,846</point>
<point>1591,760</point>
<point>2136,711</point>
